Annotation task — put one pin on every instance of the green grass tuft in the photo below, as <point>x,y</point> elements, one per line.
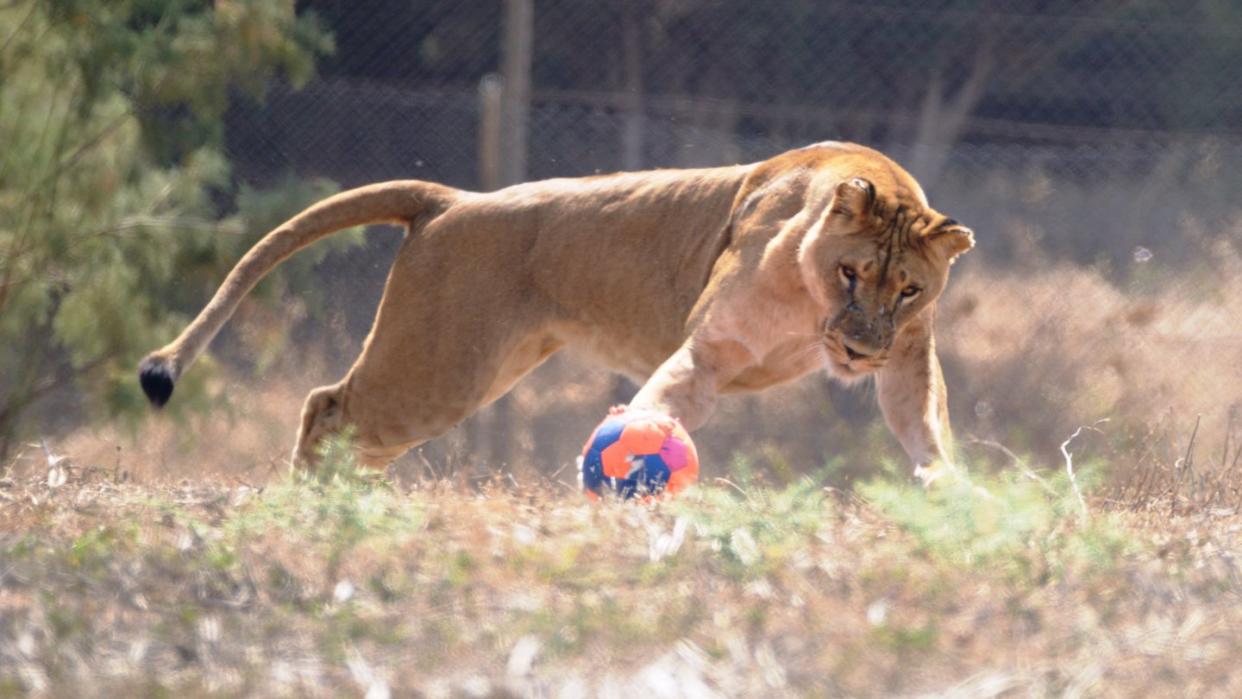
<point>1012,523</point>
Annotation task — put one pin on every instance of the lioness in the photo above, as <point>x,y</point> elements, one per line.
<point>696,282</point>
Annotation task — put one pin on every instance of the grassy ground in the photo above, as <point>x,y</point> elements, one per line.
<point>349,586</point>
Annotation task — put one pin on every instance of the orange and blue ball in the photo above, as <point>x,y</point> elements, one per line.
<point>638,453</point>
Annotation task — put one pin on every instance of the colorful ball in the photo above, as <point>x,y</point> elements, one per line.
<point>638,453</point>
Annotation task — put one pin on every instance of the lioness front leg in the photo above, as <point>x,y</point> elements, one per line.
<point>687,384</point>
<point>912,397</point>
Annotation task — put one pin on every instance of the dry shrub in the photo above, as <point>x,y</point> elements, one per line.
<point>1033,355</point>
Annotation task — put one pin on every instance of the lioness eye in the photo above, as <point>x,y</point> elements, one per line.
<point>848,272</point>
<point>910,292</point>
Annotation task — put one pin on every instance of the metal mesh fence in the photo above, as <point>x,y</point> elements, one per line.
<point>1099,135</point>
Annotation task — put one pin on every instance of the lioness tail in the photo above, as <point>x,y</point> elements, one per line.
<point>409,202</point>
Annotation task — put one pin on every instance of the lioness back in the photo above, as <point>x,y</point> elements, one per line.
<point>620,258</point>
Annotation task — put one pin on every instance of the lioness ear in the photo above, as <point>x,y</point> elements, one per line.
<point>951,239</point>
<point>853,199</point>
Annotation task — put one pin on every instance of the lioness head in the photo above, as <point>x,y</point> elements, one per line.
<point>874,264</point>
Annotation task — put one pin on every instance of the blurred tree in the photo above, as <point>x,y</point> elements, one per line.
<point>113,185</point>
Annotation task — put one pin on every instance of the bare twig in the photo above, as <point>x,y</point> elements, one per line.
<point>736,487</point>
<point>435,474</point>
<point>1017,461</point>
<point>1186,464</point>
<point>1224,451</point>
<point>559,470</point>
<point>1141,478</point>
<point>1069,463</point>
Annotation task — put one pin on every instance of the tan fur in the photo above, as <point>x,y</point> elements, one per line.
<point>698,282</point>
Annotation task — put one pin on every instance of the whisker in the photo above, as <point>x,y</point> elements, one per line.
<point>807,351</point>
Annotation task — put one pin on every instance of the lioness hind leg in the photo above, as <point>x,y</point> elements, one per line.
<point>393,413</point>
<point>391,416</point>
<point>321,418</point>
<point>448,338</point>
<point>324,416</point>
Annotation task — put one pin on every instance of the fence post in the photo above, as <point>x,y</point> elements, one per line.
<point>515,59</point>
<point>632,50</point>
<point>491,155</point>
<point>632,141</point>
<point>503,127</point>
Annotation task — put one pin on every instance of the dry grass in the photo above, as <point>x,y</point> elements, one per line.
<point>348,586</point>
<point>181,558</point>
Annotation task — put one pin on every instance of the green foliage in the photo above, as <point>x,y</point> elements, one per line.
<point>330,514</point>
<point>754,528</point>
<point>1024,528</point>
<point>112,180</point>
<point>340,506</point>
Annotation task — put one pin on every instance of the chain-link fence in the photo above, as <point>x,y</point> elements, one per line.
<point>1093,141</point>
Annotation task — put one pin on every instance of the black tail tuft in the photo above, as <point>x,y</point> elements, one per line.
<point>156,377</point>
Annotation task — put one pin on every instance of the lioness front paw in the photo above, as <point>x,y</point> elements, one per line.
<point>933,471</point>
